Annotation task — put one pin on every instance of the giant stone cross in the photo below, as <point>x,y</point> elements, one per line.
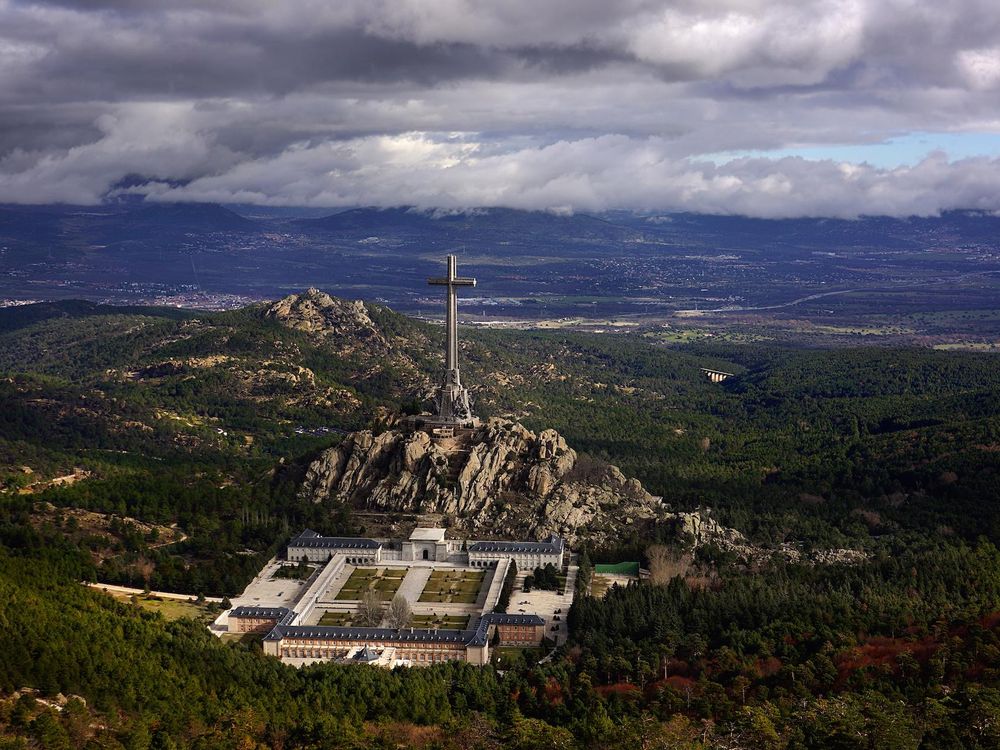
<point>453,405</point>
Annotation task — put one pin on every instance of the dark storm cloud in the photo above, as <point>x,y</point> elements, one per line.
<point>569,103</point>
<point>34,128</point>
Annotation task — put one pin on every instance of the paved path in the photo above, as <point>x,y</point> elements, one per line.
<point>413,584</point>
<point>111,588</point>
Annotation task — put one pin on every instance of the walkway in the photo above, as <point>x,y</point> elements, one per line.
<point>111,588</point>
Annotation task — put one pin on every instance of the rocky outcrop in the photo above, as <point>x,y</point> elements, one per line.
<point>503,479</point>
<point>345,322</point>
<point>506,481</point>
<point>698,529</point>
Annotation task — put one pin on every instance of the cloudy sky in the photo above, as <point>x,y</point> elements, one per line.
<point>760,107</point>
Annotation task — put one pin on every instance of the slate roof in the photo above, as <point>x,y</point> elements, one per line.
<point>366,654</point>
<point>552,546</point>
<point>333,632</point>
<point>477,637</point>
<point>333,542</point>
<point>275,613</point>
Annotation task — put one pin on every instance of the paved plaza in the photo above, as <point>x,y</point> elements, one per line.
<point>266,591</point>
<point>546,604</point>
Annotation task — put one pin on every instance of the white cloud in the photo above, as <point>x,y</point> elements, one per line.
<point>579,103</point>
<point>589,174</point>
<point>981,67</point>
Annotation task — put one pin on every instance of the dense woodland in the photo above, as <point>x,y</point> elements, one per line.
<point>207,422</point>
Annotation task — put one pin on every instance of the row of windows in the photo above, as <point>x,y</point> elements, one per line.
<point>521,560</point>
<point>424,657</point>
<point>350,644</point>
<point>243,625</point>
<point>323,556</point>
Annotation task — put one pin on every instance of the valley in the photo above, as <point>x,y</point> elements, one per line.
<point>911,281</point>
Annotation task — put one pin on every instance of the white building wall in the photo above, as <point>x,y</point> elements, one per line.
<point>305,605</point>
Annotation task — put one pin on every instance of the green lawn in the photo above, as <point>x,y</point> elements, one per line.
<point>171,609</point>
<point>444,622</point>
<point>457,587</point>
<point>336,619</point>
<point>510,656</point>
<point>386,582</point>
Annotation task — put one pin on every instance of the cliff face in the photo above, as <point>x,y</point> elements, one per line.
<point>504,480</point>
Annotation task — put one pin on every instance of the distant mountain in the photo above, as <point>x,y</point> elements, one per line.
<point>530,264</point>
<point>868,231</point>
<point>497,223</point>
<point>185,217</point>
<point>70,234</point>
<point>24,316</point>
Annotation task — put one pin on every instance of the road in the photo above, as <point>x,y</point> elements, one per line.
<point>111,588</point>
<point>811,297</point>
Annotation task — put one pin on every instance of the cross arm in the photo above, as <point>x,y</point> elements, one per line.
<point>458,281</point>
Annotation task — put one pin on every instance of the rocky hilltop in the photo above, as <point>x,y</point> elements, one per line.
<point>502,479</point>
<point>357,334</point>
<point>340,320</point>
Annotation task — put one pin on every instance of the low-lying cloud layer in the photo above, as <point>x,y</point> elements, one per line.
<point>579,104</point>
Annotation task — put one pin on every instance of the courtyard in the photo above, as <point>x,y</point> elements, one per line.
<point>386,581</point>
<point>452,587</point>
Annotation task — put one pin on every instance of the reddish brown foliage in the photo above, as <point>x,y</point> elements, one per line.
<point>880,651</point>
<point>624,689</point>
<point>767,667</point>
<point>552,692</point>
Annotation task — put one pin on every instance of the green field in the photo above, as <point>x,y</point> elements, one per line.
<point>171,609</point>
<point>337,619</point>
<point>455,587</point>
<point>506,657</point>
<point>386,582</point>
<point>618,569</point>
<point>443,622</point>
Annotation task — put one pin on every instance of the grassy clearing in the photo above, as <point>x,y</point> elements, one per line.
<point>510,656</point>
<point>171,609</point>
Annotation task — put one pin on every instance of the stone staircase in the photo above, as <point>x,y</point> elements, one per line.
<point>456,460</point>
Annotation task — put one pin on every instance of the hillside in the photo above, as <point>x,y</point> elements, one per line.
<point>196,443</point>
<point>119,392</point>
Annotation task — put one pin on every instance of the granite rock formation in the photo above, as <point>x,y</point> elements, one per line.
<point>503,479</point>
<point>340,320</point>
